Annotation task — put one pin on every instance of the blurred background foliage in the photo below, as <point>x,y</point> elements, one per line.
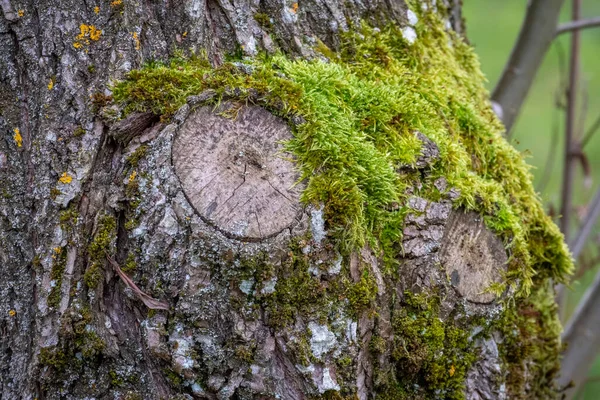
<point>492,28</point>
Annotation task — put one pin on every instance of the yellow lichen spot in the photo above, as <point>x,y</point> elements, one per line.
<point>87,33</point>
<point>57,251</point>
<point>184,34</point>
<point>452,370</point>
<point>18,138</point>
<point>95,33</point>
<point>116,3</point>
<point>96,9</point>
<point>295,8</point>
<point>12,313</point>
<point>77,45</point>
<point>132,176</point>
<point>65,178</point>
<point>136,39</point>
<point>21,13</point>
<point>51,84</point>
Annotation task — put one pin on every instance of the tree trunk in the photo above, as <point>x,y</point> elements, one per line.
<point>313,200</point>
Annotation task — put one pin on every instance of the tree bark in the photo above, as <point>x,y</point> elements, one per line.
<point>174,258</point>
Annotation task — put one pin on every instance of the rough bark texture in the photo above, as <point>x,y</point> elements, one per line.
<point>204,222</point>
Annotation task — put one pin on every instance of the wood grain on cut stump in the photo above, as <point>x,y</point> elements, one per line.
<point>473,256</point>
<point>234,173</point>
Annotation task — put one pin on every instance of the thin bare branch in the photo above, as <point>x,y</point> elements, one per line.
<point>570,128</point>
<point>537,32</point>
<point>578,25</point>
<point>549,166</point>
<point>583,341</point>
<point>589,221</point>
<point>590,132</point>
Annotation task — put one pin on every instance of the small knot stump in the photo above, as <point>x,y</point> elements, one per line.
<point>234,171</point>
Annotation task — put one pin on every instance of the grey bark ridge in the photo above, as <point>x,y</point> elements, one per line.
<point>235,173</point>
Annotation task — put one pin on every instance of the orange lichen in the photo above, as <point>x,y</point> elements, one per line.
<point>65,178</point>
<point>132,176</point>
<point>12,313</point>
<point>20,13</point>
<point>17,137</point>
<point>136,39</point>
<point>87,33</point>
<point>57,251</point>
<point>295,8</point>
<point>116,3</point>
<point>96,9</point>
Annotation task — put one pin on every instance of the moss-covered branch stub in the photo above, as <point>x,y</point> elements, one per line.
<point>370,116</point>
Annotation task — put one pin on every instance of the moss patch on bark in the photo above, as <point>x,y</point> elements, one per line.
<point>355,114</point>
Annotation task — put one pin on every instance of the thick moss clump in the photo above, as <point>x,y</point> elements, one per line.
<point>434,354</point>
<point>357,148</point>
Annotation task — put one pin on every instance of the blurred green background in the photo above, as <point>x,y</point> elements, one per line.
<point>492,28</point>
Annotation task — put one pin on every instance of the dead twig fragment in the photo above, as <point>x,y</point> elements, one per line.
<point>147,300</point>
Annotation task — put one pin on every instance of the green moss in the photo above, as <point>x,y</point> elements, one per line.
<point>92,275</point>
<point>264,21</point>
<point>115,379</point>
<point>531,341</point>
<point>130,264</point>
<point>245,353</point>
<point>361,112</point>
<point>173,377</point>
<point>59,262</point>
<point>432,353</point>
<point>296,291</point>
<point>75,336</point>
<point>102,244</point>
<point>357,151</point>
<point>79,131</point>
<point>54,193</point>
<point>363,293</point>
<point>53,357</point>
<point>100,100</point>
<point>134,158</point>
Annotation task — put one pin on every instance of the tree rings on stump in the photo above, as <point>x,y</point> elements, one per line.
<point>234,171</point>
<point>473,256</point>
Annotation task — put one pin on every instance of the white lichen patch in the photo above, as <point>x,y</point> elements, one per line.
<point>328,383</point>
<point>322,340</point>
<point>409,34</point>
<point>412,17</point>
<point>351,331</point>
<point>336,268</point>
<point>317,225</point>
<point>246,286</point>
<point>269,286</point>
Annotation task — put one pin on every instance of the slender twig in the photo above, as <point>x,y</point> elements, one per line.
<point>559,105</point>
<point>583,341</point>
<point>591,216</point>
<point>590,132</point>
<point>537,32</point>
<point>551,157</point>
<point>578,25</point>
<point>583,112</point>
<point>146,299</point>
<point>570,145</point>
